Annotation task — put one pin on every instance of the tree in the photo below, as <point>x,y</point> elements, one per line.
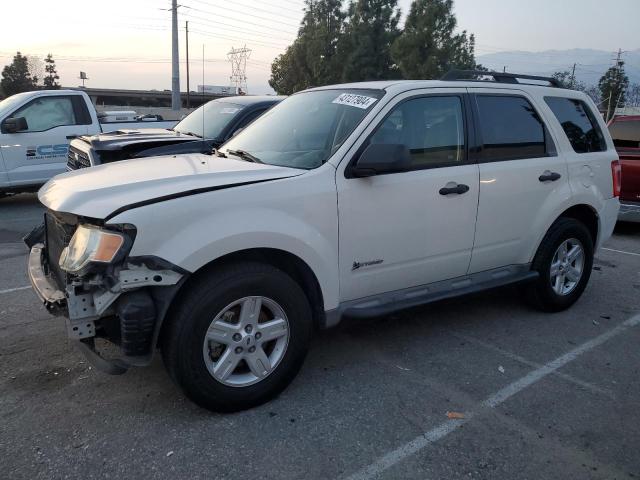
<point>51,77</point>
<point>594,92</point>
<point>36,70</point>
<point>633,95</point>
<point>567,80</point>
<point>613,86</point>
<point>371,29</point>
<point>16,77</point>
<point>428,47</point>
<point>313,58</point>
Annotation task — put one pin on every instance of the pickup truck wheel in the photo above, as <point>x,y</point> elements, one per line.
<point>564,261</point>
<point>239,336</point>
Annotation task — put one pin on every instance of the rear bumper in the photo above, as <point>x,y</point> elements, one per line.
<point>629,212</point>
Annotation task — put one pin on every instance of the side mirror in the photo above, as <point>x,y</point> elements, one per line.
<point>14,125</point>
<point>382,158</point>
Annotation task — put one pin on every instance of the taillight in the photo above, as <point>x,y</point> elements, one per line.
<point>616,173</point>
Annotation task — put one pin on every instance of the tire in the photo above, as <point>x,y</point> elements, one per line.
<point>553,296</point>
<point>221,296</point>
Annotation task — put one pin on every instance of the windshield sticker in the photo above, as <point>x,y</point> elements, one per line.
<point>229,110</point>
<point>353,100</point>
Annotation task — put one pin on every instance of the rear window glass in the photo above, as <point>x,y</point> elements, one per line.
<point>510,128</point>
<point>578,123</point>
<point>625,132</point>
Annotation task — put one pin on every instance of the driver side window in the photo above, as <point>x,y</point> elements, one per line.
<point>46,113</point>
<point>431,127</point>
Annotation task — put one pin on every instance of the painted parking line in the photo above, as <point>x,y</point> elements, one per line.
<point>17,289</point>
<point>395,456</point>
<point>524,361</point>
<point>621,251</point>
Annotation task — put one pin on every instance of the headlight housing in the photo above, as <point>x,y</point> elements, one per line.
<point>90,244</point>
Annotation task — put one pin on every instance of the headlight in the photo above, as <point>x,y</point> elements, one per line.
<point>90,244</point>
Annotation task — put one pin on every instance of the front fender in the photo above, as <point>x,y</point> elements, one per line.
<point>300,218</point>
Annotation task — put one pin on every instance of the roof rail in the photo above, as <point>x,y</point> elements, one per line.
<point>499,77</point>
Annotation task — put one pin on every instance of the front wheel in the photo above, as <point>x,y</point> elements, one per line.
<point>239,336</point>
<point>564,261</point>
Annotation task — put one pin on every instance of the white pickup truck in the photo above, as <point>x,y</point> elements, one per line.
<point>35,131</point>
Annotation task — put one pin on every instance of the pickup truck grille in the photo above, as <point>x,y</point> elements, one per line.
<point>77,159</point>
<point>57,237</point>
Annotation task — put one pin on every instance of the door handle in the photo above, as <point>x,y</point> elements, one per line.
<point>459,189</point>
<point>548,176</point>
<point>71,137</point>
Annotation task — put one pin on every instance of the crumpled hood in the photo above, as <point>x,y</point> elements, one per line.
<point>97,192</point>
<point>117,139</point>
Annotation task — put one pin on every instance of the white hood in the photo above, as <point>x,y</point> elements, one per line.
<point>97,192</point>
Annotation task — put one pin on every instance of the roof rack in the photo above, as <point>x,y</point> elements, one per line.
<point>499,77</point>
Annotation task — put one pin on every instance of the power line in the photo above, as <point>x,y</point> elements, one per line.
<point>233,28</point>
<point>254,8</point>
<point>242,21</point>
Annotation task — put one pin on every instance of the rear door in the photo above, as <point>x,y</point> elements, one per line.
<point>34,155</point>
<point>523,180</point>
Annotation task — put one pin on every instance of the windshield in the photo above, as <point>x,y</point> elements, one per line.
<point>217,115</point>
<point>306,129</point>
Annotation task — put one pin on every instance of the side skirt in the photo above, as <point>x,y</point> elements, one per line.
<point>386,303</point>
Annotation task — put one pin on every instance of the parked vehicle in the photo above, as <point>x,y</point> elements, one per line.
<point>625,132</point>
<point>347,200</point>
<point>35,131</point>
<point>201,131</point>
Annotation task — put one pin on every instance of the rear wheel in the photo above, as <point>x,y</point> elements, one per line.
<point>239,336</point>
<point>564,261</point>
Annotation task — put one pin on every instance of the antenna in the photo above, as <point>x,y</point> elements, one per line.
<point>203,102</point>
<point>238,58</point>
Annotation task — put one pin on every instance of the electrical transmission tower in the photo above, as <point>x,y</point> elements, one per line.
<point>238,58</point>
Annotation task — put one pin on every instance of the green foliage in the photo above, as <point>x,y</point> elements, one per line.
<point>371,30</point>
<point>314,57</point>
<point>365,43</point>
<point>568,81</point>
<point>428,46</point>
<point>51,75</point>
<point>16,77</point>
<point>613,87</point>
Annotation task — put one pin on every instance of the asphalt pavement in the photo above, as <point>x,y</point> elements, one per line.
<point>479,387</point>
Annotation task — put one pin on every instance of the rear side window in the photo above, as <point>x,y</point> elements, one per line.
<point>578,123</point>
<point>510,128</point>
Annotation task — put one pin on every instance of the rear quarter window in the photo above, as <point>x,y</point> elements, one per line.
<point>578,123</point>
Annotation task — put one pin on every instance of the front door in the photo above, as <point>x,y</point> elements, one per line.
<point>405,229</point>
<point>34,155</point>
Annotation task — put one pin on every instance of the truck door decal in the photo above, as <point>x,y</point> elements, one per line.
<point>47,151</point>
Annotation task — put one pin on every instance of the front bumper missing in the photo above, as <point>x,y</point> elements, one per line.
<point>85,301</point>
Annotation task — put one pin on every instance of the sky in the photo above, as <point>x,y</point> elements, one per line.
<point>127,43</point>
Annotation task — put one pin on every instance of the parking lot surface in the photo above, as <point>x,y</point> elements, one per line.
<point>476,387</point>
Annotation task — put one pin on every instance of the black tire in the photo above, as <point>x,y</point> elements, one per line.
<point>540,293</point>
<point>206,296</point>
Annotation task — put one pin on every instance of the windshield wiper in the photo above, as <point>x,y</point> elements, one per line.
<point>244,155</point>
<point>189,133</point>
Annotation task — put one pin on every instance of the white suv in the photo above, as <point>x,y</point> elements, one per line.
<point>342,201</point>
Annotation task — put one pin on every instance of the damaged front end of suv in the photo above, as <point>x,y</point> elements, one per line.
<point>81,269</point>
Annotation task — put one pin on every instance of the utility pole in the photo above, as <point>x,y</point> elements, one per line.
<point>187,30</point>
<point>176,104</point>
